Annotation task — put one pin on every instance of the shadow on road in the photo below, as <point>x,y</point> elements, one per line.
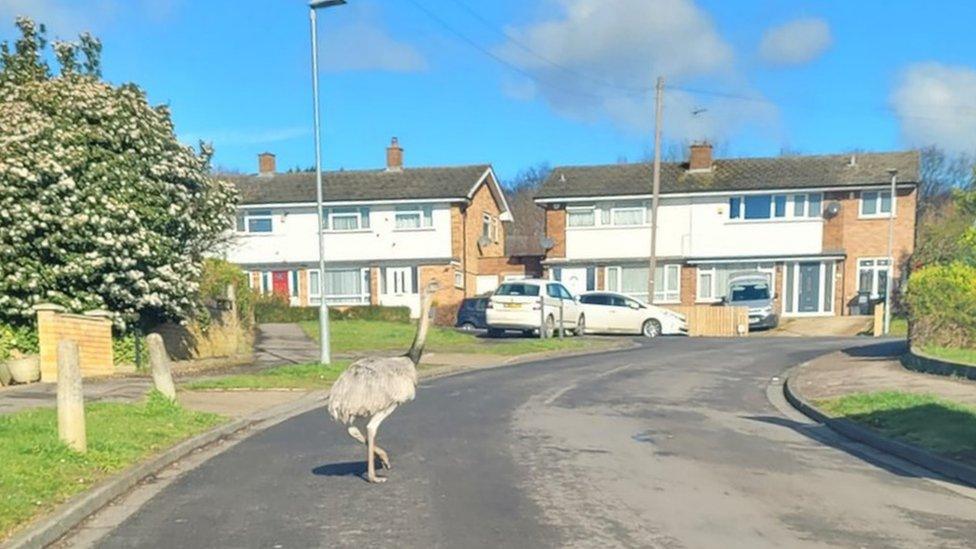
<point>343,469</point>
<point>825,435</point>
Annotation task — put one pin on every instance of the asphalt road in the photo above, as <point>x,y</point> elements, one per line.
<point>671,445</point>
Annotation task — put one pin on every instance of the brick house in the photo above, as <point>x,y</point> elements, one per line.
<point>818,225</point>
<point>388,232</point>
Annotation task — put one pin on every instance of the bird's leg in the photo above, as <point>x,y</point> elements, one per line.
<point>371,428</point>
<point>380,453</point>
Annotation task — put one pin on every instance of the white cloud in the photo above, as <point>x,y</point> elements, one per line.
<point>365,45</point>
<point>936,105</point>
<point>796,42</point>
<point>255,136</point>
<point>67,18</point>
<point>595,59</point>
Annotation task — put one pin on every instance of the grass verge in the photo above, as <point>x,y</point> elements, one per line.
<point>942,426</point>
<point>363,335</point>
<point>37,471</point>
<point>963,356</point>
<point>298,376</point>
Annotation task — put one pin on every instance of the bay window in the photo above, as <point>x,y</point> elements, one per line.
<point>632,281</point>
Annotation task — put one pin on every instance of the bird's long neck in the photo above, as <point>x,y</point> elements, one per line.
<point>417,349</point>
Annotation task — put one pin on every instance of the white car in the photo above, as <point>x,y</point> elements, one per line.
<point>613,313</point>
<point>516,305</point>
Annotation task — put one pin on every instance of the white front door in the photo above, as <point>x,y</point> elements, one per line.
<point>398,290</point>
<point>574,279</point>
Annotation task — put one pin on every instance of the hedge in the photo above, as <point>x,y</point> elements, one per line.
<point>277,309</point>
<point>942,303</point>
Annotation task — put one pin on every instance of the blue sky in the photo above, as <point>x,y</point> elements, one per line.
<point>518,82</point>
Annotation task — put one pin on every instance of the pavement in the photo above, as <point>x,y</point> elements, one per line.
<point>276,344</point>
<point>876,368</point>
<point>672,444</point>
<point>832,326</point>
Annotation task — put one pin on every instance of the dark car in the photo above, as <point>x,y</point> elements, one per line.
<point>471,315</point>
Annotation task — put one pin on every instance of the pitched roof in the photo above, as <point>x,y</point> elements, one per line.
<point>734,174</point>
<point>340,186</point>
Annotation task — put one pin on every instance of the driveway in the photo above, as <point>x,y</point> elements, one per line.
<point>673,444</point>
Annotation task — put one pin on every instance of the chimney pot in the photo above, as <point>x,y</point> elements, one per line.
<point>701,157</point>
<point>394,156</point>
<point>266,164</point>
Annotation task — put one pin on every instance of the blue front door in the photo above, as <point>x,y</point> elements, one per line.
<point>809,299</point>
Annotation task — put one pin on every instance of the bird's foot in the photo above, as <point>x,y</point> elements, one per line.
<point>384,461</point>
<point>375,479</point>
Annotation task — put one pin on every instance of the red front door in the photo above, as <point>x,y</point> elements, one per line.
<point>279,283</point>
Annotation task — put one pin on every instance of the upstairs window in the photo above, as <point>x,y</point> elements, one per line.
<point>628,213</point>
<point>775,206</point>
<point>414,217</point>
<point>757,206</point>
<point>580,216</point>
<point>255,221</point>
<point>875,203</point>
<point>345,219</point>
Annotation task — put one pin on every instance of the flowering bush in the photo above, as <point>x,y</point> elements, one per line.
<point>100,206</point>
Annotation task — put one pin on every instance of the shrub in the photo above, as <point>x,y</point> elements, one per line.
<point>275,308</point>
<point>17,340</point>
<point>942,305</point>
<point>217,275</point>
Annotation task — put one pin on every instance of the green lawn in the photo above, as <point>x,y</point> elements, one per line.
<point>364,335</point>
<point>299,376</point>
<point>942,426</point>
<point>899,326</point>
<point>965,356</point>
<point>37,471</point>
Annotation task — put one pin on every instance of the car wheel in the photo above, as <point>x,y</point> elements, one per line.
<point>651,328</point>
<point>495,332</point>
<point>580,326</point>
<point>468,327</point>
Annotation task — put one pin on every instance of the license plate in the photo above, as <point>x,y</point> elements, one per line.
<point>513,305</point>
<point>753,320</point>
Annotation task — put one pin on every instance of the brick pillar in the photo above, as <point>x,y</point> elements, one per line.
<point>374,285</point>
<point>303,287</point>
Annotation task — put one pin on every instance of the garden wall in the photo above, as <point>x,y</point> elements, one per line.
<point>91,331</point>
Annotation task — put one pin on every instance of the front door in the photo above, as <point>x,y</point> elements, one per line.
<point>399,281</point>
<point>809,298</point>
<point>279,283</point>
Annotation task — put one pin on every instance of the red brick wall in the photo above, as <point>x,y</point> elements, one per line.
<point>556,230</point>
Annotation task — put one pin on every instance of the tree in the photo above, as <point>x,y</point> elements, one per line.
<point>101,206</point>
<point>941,172</point>
<point>524,235</point>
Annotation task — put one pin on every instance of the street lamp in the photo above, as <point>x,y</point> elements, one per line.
<point>324,355</point>
<point>891,253</point>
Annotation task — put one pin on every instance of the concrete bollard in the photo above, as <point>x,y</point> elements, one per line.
<point>71,400</point>
<point>159,363</point>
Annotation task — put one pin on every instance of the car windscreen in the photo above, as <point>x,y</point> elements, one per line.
<point>512,288</point>
<point>749,291</point>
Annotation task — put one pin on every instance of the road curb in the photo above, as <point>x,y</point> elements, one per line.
<point>70,514</point>
<point>919,362</point>
<point>854,431</point>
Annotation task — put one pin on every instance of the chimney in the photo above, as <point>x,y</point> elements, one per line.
<point>266,164</point>
<point>701,157</point>
<point>394,156</point>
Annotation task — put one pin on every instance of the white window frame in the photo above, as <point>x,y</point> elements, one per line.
<point>877,200</point>
<point>359,213</point>
<point>790,210</point>
<point>363,298</point>
<point>425,214</point>
<point>877,265</point>
<point>246,216</point>
<point>580,209</point>
<point>267,283</point>
<point>614,274</point>
<point>628,207</point>
<point>459,279</point>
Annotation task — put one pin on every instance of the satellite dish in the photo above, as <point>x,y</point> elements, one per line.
<point>546,243</point>
<point>832,210</point>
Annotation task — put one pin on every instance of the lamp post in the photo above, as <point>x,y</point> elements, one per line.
<point>324,354</point>
<point>891,253</point>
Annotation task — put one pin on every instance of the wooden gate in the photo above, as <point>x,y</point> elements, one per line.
<point>715,321</point>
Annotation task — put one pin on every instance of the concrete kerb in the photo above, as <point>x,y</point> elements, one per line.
<point>68,515</point>
<point>854,431</point>
<point>919,362</point>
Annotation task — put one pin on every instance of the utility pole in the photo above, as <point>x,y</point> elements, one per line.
<point>656,185</point>
<point>891,253</point>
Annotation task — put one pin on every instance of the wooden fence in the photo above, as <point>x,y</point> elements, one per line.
<point>715,321</point>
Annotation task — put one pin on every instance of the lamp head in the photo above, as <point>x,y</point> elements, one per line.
<point>316,4</point>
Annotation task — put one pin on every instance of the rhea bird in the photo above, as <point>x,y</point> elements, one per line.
<point>372,387</point>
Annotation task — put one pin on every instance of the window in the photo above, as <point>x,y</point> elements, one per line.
<point>345,219</point>
<point>255,221</point>
<point>342,286</point>
<point>458,278</point>
<point>628,214</point>
<point>409,217</point>
<point>293,284</point>
<point>266,285</point>
<point>872,276</point>
<point>799,205</point>
<point>876,203</point>
<point>713,279</point>
<point>595,299</point>
<point>580,216</point>
<point>779,205</point>
<point>735,207</point>
<point>632,281</point>
<point>517,288</point>
<point>757,206</point>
